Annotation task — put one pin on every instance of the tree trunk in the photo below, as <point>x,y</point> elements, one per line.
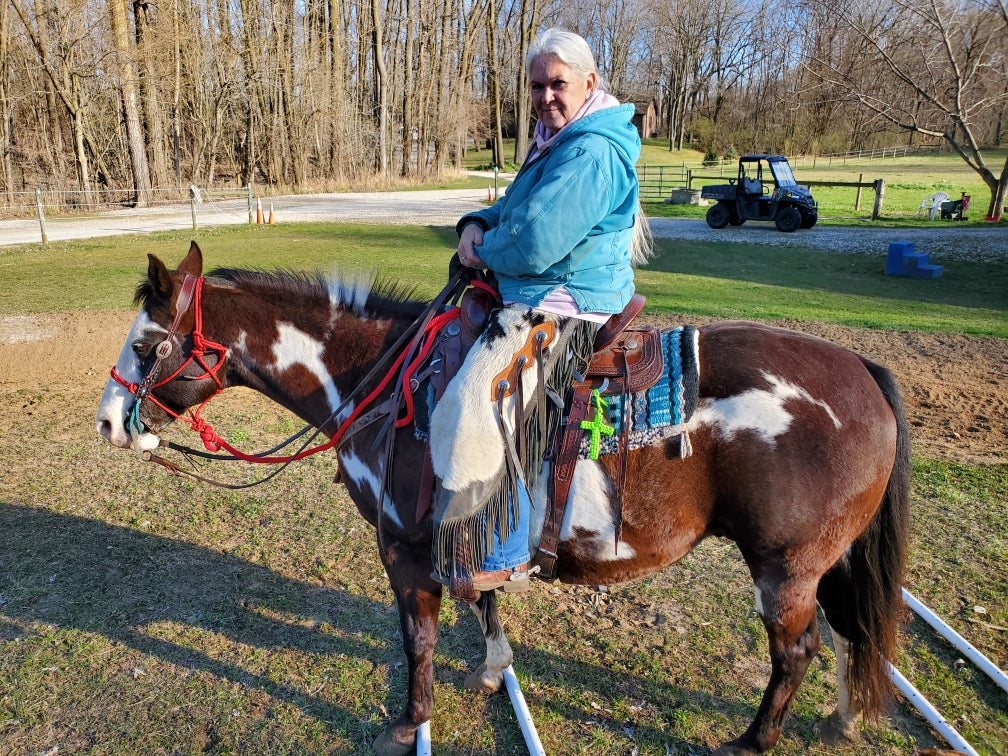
<point>409,124</point>
<point>54,134</point>
<point>381,90</point>
<point>522,118</point>
<point>6,172</point>
<point>494,85</point>
<point>146,24</point>
<point>131,110</point>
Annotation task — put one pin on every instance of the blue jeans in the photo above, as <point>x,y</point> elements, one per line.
<point>515,549</point>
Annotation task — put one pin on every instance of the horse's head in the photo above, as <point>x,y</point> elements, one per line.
<point>162,369</point>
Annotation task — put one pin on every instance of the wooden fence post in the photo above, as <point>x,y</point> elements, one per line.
<point>251,212</point>
<point>41,215</point>
<point>857,202</point>
<point>879,195</point>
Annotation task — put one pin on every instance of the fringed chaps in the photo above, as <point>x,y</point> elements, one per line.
<point>477,456</point>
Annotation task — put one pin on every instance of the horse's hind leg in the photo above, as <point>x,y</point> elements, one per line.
<point>788,613</point>
<point>843,724</point>
<point>490,675</point>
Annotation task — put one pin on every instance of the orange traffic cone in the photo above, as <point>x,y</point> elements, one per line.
<point>489,195</point>
<point>271,214</point>
<point>259,215</point>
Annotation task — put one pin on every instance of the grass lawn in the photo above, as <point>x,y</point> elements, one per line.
<point>146,614</point>
<point>700,278</point>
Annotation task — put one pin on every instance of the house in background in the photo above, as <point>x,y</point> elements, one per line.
<point>645,116</point>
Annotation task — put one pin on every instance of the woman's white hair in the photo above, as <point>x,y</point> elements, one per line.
<point>574,52</point>
<point>570,48</point>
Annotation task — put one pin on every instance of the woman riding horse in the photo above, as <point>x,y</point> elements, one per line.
<point>560,244</point>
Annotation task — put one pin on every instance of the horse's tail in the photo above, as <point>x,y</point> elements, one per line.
<point>872,605</point>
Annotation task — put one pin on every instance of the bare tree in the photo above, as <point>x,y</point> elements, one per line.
<point>6,169</point>
<point>938,68</point>
<point>381,93</point>
<point>130,102</point>
<point>528,23</point>
<point>493,81</point>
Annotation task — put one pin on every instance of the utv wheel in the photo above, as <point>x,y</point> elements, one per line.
<point>718,216</point>
<point>788,219</point>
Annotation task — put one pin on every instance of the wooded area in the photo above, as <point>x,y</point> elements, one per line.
<point>109,96</point>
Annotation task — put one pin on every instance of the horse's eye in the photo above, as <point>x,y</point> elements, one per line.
<point>142,350</point>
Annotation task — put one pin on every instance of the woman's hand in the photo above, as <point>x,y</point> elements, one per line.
<point>472,236</point>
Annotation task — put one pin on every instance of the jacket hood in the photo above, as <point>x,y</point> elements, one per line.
<point>615,124</point>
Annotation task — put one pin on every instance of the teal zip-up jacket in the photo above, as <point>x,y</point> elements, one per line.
<point>567,219</point>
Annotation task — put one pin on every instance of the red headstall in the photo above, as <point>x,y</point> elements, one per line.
<point>191,292</point>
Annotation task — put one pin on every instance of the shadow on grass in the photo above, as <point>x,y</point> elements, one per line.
<point>76,573</point>
<point>69,572</point>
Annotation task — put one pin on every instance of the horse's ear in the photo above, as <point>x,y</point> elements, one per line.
<point>159,278</point>
<point>193,262</point>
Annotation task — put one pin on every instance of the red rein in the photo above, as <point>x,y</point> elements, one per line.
<point>213,442</point>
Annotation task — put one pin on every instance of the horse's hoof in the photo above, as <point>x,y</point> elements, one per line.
<point>391,742</point>
<point>837,729</point>
<point>481,681</point>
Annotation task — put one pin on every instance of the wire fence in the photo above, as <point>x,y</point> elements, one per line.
<point>56,201</point>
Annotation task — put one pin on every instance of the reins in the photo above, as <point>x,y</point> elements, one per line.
<point>420,334</point>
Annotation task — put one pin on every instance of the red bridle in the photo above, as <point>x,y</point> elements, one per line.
<point>191,295</point>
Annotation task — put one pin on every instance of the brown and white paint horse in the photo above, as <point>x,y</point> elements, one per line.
<point>800,456</point>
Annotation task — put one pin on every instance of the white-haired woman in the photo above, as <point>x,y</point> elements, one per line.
<point>560,244</point>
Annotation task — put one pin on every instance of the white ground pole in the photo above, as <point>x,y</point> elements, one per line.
<point>968,650</point>
<point>936,720</point>
<point>528,728</point>
<point>423,744</point>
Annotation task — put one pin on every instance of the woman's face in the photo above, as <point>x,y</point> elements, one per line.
<point>557,92</point>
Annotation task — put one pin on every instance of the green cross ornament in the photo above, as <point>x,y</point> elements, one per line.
<point>597,426</point>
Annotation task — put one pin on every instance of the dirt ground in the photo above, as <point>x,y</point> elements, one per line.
<point>955,387</point>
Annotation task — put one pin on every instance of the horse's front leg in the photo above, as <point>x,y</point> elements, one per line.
<point>490,675</point>
<point>419,600</point>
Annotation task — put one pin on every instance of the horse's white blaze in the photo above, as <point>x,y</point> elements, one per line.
<point>760,411</point>
<point>116,399</point>
<point>295,347</point>
<point>589,511</point>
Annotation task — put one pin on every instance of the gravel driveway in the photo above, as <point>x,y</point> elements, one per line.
<point>946,241</point>
<point>444,207</point>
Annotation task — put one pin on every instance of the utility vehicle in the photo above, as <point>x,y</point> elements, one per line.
<point>764,190</point>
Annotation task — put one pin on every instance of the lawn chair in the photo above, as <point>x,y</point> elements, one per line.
<point>933,204</point>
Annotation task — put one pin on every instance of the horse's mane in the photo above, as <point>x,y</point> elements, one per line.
<point>355,291</point>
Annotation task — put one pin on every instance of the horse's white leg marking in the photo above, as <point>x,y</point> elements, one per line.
<point>295,347</point>
<point>588,510</point>
<point>490,674</point>
<point>759,601</point>
<point>760,411</point>
<point>116,399</point>
<point>841,649</point>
